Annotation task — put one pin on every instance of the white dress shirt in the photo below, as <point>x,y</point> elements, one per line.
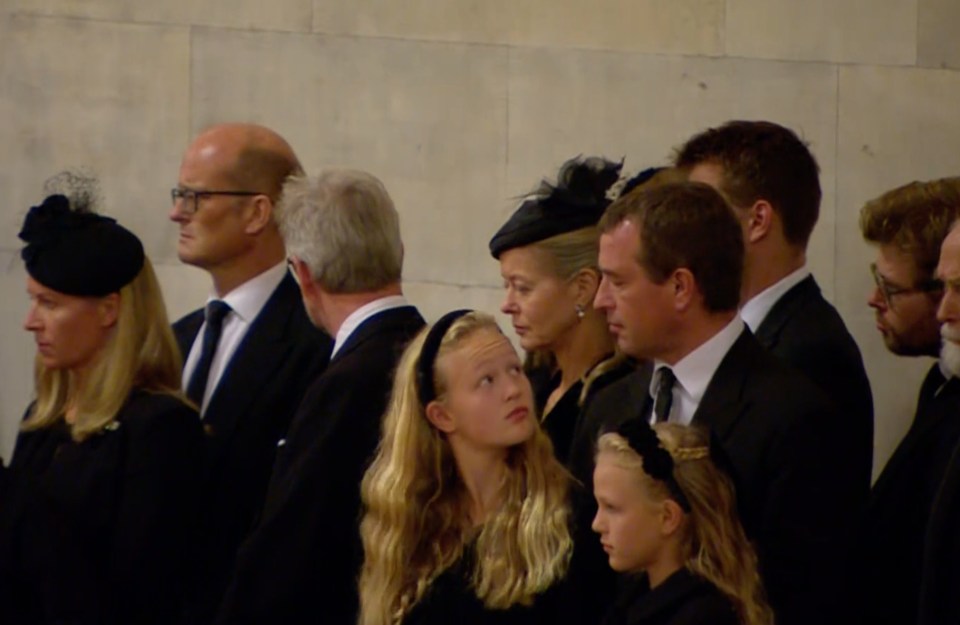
<point>357,317</point>
<point>246,301</point>
<point>757,309</point>
<point>694,372</point>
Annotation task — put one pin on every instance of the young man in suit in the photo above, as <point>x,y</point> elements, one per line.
<point>251,352</point>
<point>939,601</point>
<point>907,225</point>
<point>301,562</point>
<point>772,181</point>
<point>672,260</point>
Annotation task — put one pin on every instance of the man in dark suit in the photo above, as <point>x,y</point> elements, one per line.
<point>907,225</point>
<point>247,368</point>
<point>939,601</point>
<point>772,180</point>
<point>671,259</point>
<point>302,561</point>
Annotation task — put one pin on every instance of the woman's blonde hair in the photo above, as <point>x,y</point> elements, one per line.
<point>714,545</point>
<point>417,524</point>
<point>140,352</point>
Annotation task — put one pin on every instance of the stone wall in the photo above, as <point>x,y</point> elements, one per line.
<point>460,105</point>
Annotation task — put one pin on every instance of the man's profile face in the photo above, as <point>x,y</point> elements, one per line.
<point>908,320</point>
<point>213,235</point>
<point>639,311</point>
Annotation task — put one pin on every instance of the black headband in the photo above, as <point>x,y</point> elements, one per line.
<point>428,355</point>
<point>657,461</point>
<point>78,253</point>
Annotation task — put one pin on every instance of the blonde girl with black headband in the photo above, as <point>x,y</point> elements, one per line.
<point>466,514</point>
<point>668,514</point>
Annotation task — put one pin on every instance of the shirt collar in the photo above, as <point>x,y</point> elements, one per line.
<point>695,370</point>
<point>248,299</point>
<point>758,307</point>
<point>357,317</point>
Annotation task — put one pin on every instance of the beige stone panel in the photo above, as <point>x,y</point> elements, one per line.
<point>938,45</point>
<point>100,96</point>
<point>428,119</point>
<point>16,357</point>
<point>844,31</point>
<point>185,288</point>
<point>285,15</point>
<point>895,125</point>
<point>664,26</point>
<point>564,103</point>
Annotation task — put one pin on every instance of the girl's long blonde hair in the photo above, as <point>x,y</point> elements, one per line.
<point>140,352</point>
<point>714,545</point>
<point>416,523</point>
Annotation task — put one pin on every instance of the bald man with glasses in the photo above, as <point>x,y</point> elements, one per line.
<point>251,352</point>
<point>907,226</point>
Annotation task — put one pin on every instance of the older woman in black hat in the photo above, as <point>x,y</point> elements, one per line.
<point>108,454</point>
<point>548,259</point>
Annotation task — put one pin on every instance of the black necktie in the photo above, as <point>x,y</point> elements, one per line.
<point>664,401</point>
<point>215,312</point>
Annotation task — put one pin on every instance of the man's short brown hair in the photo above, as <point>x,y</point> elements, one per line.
<point>762,161</point>
<point>686,225</point>
<point>915,218</point>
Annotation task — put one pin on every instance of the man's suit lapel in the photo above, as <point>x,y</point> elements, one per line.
<point>784,309</point>
<point>186,331</point>
<point>264,347</point>
<point>724,400</point>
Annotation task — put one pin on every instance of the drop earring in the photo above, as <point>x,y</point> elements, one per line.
<point>580,311</point>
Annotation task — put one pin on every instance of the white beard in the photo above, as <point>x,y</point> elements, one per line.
<point>950,349</point>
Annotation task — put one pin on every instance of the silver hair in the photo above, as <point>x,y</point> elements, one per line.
<point>344,226</point>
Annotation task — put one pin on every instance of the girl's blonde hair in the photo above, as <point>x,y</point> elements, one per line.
<point>140,352</point>
<point>416,522</point>
<point>714,545</point>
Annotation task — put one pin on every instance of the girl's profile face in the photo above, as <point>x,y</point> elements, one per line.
<point>628,520</point>
<point>488,398</point>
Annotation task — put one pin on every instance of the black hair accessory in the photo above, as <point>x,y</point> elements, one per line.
<point>639,179</point>
<point>576,201</point>
<point>78,252</point>
<point>428,355</point>
<point>657,461</point>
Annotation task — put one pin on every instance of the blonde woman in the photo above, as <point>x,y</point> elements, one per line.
<point>109,452</point>
<point>467,519</point>
<point>667,514</point>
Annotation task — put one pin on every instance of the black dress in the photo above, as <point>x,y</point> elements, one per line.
<point>681,599</point>
<point>98,531</point>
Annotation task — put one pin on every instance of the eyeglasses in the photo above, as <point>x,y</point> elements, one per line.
<point>889,290</point>
<point>191,197</point>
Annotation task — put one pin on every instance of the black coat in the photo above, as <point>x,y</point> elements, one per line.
<point>249,411</point>
<point>301,562</point>
<point>807,333</point>
<point>940,579</point>
<point>100,531</point>
<point>681,599</point>
<point>889,555</point>
<point>797,491</point>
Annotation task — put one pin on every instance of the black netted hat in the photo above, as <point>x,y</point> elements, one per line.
<point>77,252</point>
<point>576,201</point>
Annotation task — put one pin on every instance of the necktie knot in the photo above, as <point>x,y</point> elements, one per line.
<point>215,312</point>
<point>664,399</point>
<point>213,316</point>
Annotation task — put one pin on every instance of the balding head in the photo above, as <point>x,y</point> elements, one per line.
<point>248,156</point>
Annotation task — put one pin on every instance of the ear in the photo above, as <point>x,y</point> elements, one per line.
<point>109,309</point>
<point>585,284</point>
<point>759,221</point>
<point>440,417</point>
<point>671,517</point>
<point>261,214</point>
<point>685,288</point>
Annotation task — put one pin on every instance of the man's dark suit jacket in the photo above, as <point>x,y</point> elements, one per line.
<point>889,553</point>
<point>302,561</point>
<point>249,411</point>
<point>795,490</point>
<point>806,332</point>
